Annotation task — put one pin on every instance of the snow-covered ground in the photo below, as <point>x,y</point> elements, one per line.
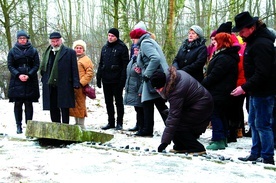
<point>23,160</point>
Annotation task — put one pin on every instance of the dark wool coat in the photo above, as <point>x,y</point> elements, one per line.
<point>191,57</point>
<point>191,106</point>
<point>259,63</point>
<point>133,83</point>
<point>68,78</point>
<point>23,59</point>
<point>222,73</point>
<point>113,62</point>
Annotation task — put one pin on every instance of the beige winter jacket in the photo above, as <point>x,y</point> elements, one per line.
<point>86,74</point>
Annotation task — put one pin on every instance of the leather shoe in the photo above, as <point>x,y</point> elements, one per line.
<point>249,158</point>
<point>143,134</point>
<point>134,129</point>
<point>108,126</point>
<point>119,127</point>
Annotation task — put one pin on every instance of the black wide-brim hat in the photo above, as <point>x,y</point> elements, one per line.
<point>242,20</point>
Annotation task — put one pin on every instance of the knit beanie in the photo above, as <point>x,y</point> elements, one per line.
<point>137,33</point>
<point>79,43</point>
<point>225,27</point>
<point>198,30</point>
<point>115,32</point>
<point>140,25</point>
<point>22,33</point>
<point>158,79</point>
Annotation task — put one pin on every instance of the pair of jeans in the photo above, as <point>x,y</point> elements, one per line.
<point>219,121</point>
<point>260,120</point>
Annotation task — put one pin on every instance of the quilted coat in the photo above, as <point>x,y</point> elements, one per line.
<point>23,59</point>
<point>191,106</point>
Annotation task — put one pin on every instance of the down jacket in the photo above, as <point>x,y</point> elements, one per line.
<point>133,83</point>
<point>23,59</point>
<point>191,57</point>
<point>191,106</point>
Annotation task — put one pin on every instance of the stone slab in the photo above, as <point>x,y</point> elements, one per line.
<point>66,132</point>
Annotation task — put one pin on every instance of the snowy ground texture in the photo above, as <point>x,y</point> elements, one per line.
<point>125,158</point>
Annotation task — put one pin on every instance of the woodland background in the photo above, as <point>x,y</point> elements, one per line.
<point>90,20</point>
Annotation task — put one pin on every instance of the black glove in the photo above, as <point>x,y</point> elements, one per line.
<point>99,84</point>
<point>146,78</point>
<point>162,147</point>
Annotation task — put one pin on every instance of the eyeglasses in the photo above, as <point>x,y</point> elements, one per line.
<point>22,38</point>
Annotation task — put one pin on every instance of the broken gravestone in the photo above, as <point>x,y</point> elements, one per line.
<point>64,132</point>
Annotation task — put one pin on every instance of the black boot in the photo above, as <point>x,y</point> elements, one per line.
<point>19,128</point>
<point>248,133</point>
<point>134,129</point>
<point>108,126</point>
<point>119,127</point>
<point>18,117</point>
<point>232,137</point>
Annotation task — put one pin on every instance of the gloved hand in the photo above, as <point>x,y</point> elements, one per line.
<point>99,84</point>
<point>162,147</point>
<point>146,78</point>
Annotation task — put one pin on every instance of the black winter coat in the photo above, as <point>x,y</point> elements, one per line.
<point>259,64</point>
<point>191,57</point>
<point>68,78</point>
<point>222,73</point>
<point>191,106</point>
<point>23,59</point>
<point>113,63</point>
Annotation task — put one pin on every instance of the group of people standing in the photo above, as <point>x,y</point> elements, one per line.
<point>197,98</point>
<point>64,72</point>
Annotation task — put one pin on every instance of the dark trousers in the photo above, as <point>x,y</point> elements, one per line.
<point>219,120</point>
<point>235,114</point>
<point>111,91</point>
<point>55,111</point>
<point>139,116</point>
<point>148,107</point>
<point>18,111</point>
<point>187,141</point>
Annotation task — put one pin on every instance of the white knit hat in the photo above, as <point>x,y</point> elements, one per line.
<point>197,30</point>
<point>140,25</point>
<point>79,43</point>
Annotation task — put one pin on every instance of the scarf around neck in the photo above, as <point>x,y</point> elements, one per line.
<point>53,78</point>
